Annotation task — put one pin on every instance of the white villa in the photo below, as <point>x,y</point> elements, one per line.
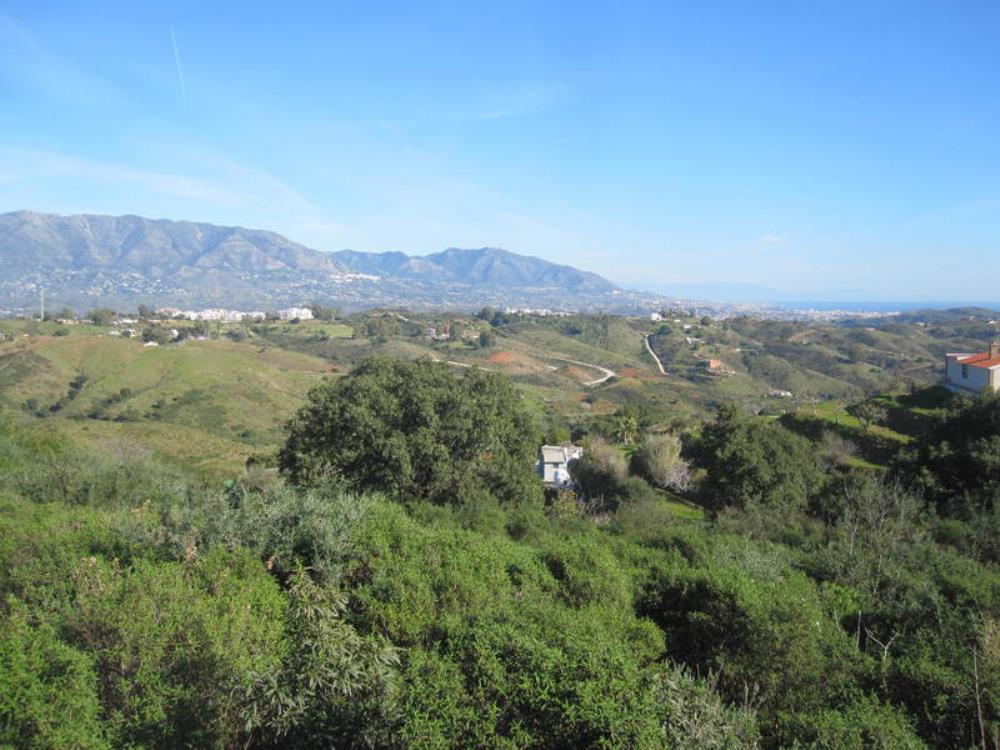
<point>291,313</point>
<point>974,373</point>
<point>553,463</point>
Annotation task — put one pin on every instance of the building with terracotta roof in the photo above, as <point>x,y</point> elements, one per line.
<point>974,373</point>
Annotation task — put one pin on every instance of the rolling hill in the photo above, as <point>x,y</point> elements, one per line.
<point>211,404</point>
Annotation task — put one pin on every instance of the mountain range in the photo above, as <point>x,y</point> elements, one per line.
<point>90,260</point>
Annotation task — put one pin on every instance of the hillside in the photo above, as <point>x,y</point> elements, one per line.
<point>86,261</point>
<point>207,404</point>
<point>216,402</point>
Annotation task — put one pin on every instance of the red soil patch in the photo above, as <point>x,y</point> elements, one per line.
<point>578,373</point>
<point>516,364</point>
<point>503,358</point>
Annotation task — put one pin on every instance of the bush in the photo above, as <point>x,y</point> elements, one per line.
<point>601,474</point>
<point>660,458</point>
<point>170,641</point>
<point>333,686</point>
<point>47,688</point>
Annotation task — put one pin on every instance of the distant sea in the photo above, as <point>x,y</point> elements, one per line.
<point>882,306</point>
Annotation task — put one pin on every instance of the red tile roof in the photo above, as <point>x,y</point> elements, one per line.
<point>983,359</point>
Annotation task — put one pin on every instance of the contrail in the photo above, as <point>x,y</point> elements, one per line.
<point>177,61</point>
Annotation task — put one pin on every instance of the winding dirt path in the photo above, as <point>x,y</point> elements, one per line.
<point>645,340</point>
<point>606,374</point>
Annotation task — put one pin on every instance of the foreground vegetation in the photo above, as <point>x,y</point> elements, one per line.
<point>379,593</point>
<point>180,568</point>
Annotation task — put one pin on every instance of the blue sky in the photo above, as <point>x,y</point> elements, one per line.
<point>825,150</point>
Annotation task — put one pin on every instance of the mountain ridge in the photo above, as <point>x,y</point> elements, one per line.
<point>94,258</point>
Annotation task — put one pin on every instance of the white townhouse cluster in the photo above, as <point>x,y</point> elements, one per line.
<point>219,314</point>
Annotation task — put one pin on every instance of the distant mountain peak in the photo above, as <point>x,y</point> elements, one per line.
<point>87,259</point>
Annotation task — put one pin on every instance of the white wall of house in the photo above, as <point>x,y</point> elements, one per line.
<point>553,463</point>
<point>972,378</point>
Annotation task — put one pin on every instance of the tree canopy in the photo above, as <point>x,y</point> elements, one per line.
<point>750,462</point>
<point>416,431</point>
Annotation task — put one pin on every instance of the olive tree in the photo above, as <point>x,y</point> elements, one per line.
<point>661,458</point>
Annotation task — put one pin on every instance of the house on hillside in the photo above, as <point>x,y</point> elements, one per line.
<point>973,373</point>
<point>293,313</point>
<point>553,463</point>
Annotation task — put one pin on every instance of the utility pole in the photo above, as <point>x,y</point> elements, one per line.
<point>41,315</point>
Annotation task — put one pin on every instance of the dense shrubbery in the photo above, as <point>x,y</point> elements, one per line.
<point>959,458</point>
<point>818,608</point>
<point>752,463</point>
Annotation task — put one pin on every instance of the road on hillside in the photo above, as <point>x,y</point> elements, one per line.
<point>606,373</point>
<point>649,348</point>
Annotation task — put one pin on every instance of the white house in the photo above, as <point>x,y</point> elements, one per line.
<point>291,313</point>
<point>553,463</point>
<point>973,373</point>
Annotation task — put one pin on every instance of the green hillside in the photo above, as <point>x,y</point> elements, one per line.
<point>211,403</point>
<point>216,402</point>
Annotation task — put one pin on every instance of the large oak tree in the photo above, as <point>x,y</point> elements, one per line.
<point>416,430</point>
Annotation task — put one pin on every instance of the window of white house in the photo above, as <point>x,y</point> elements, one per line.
<point>965,372</point>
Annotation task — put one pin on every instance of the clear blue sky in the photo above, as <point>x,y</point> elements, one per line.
<point>830,150</point>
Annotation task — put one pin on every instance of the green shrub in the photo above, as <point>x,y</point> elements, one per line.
<point>48,697</point>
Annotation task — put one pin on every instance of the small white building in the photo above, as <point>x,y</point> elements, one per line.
<point>973,373</point>
<point>553,463</point>
<point>655,317</point>
<point>291,313</point>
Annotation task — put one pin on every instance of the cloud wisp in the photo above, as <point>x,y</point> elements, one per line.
<point>177,64</point>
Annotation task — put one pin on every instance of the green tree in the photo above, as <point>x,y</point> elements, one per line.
<point>156,334</point>
<point>487,339</point>
<point>958,459</point>
<point>625,428</point>
<point>870,413</point>
<point>102,316</point>
<point>63,314</point>
<point>416,430</point>
<point>754,463</point>
<point>323,312</point>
